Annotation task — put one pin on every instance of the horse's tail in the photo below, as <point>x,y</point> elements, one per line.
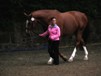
<point>86,33</point>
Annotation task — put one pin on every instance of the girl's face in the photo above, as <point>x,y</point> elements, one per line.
<point>53,22</point>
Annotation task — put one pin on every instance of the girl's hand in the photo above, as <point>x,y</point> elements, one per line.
<point>40,35</point>
<point>52,37</point>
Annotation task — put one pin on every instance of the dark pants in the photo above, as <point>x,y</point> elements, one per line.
<point>53,49</point>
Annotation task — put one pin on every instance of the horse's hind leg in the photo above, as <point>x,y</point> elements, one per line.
<point>74,52</point>
<point>84,48</point>
<point>72,55</point>
<point>86,53</point>
<point>78,39</point>
<point>79,43</point>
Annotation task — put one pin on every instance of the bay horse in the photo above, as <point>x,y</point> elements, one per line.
<point>70,23</point>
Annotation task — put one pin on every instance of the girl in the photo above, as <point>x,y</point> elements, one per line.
<point>53,42</point>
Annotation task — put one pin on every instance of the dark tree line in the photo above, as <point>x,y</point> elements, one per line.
<point>13,9</point>
<point>12,19</point>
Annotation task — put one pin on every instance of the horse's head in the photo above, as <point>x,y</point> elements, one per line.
<point>35,25</point>
<point>29,24</point>
<point>40,19</point>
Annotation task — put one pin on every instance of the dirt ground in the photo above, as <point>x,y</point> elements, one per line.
<point>34,63</point>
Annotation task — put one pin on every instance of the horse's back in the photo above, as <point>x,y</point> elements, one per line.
<point>70,24</point>
<point>45,13</point>
<point>80,17</point>
<point>73,20</point>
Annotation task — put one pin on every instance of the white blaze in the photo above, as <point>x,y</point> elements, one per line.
<point>27,23</point>
<point>32,19</point>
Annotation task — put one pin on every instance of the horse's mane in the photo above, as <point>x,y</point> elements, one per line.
<point>44,12</point>
<point>47,11</point>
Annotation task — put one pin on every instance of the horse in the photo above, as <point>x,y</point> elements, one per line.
<point>70,23</point>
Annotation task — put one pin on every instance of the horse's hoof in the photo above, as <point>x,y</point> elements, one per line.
<point>70,60</point>
<point>85,58</point>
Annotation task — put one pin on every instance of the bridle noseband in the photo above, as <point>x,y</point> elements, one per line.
<point>30,27</point>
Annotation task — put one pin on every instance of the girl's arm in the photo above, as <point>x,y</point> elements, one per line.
<point>44,34</point>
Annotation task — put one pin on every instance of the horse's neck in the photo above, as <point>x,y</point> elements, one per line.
<point>44,16</point>
<point>44,13</point>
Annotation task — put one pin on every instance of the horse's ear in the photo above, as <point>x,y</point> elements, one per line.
<point>27,14</point>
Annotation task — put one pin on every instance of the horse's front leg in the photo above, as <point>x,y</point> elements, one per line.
<point>72,55</point>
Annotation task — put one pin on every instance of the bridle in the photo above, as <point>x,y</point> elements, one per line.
<point>29,27</point>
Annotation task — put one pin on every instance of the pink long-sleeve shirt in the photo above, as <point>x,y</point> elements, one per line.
<point>53,31</point>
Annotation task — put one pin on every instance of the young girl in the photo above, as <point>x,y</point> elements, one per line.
<point>53,42</point>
